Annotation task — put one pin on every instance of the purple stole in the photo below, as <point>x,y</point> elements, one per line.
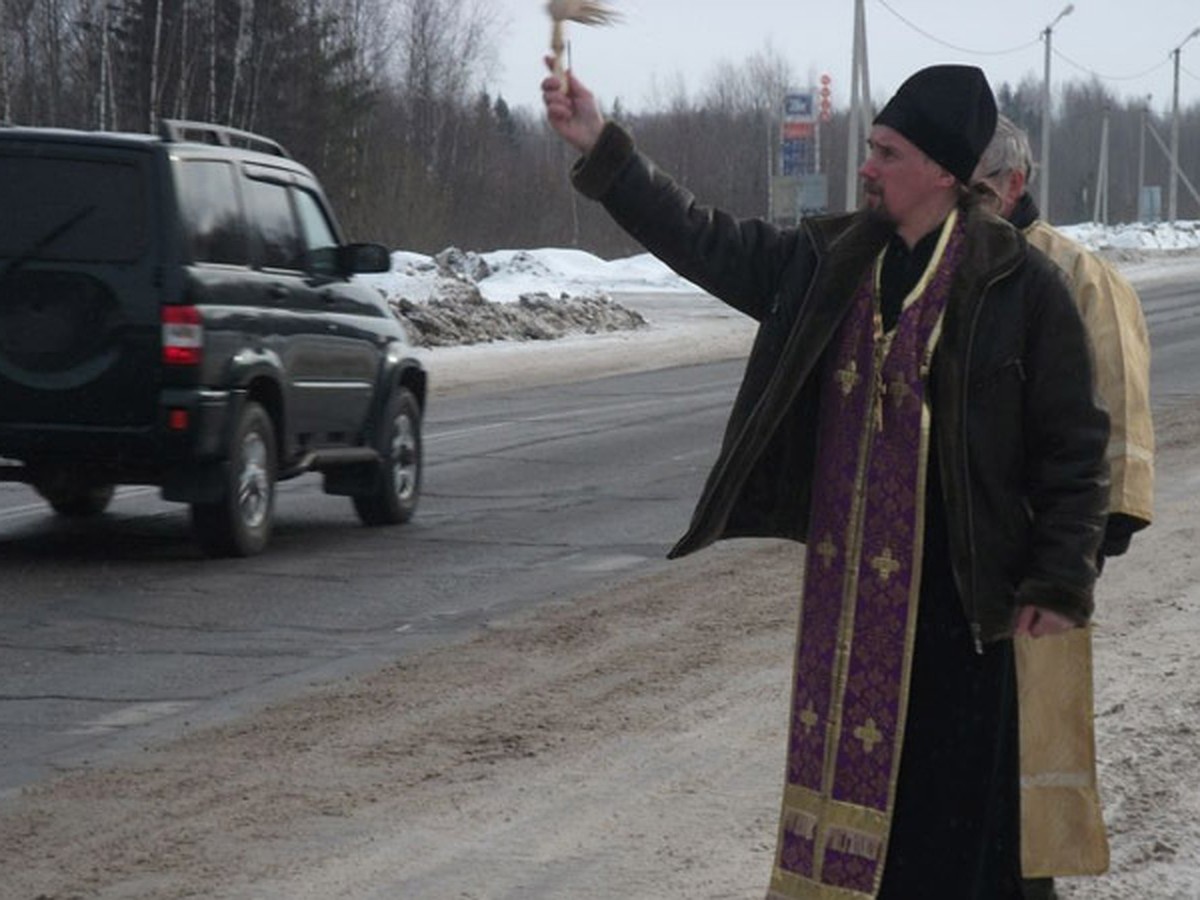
<point>862,580</point>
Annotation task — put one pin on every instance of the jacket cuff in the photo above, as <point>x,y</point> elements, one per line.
<point>1118,532</point>
<point>593,175</point>
<point>1043,594</point>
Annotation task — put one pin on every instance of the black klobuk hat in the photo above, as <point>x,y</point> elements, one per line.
<point>948,112</point>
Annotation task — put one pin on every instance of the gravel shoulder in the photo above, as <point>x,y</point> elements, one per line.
<point>628,743</point>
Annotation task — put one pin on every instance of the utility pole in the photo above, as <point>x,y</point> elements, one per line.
<point>1173,192</point>
<point>1100,213</point>
<point>1142,158</point>
<point>1187,182</point>
<point>1044,173</point>
<point>860,105</point>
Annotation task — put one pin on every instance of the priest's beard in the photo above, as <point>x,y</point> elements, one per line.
<point>874,207</point>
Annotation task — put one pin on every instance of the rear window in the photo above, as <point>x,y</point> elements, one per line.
<point>79,210</point>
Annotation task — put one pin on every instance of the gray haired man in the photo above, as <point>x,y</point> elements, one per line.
<point>1062,831</point>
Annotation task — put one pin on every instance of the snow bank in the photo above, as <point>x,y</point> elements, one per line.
<point>504,276</point>
<point>458,297</point>
<point>1136,236</point>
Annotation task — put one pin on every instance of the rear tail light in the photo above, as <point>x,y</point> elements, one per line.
<point>182,336</point>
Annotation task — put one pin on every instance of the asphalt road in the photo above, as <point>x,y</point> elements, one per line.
<point>116,632</point>
<point>1173,317</point>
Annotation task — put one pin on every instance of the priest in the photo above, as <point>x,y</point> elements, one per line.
<point>917,410</point>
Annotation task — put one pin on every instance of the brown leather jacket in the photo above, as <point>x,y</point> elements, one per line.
<point>1021,441</point>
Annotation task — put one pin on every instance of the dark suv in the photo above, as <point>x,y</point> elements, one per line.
<point>180,310</point>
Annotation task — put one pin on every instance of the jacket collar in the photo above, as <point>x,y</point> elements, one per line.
<point>845,245</point>
<point>994,247</point>
<point>854,237</point>
<point>1025,213</point>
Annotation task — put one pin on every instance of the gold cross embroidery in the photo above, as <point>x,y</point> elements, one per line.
<point>868,734</point>
<point>848,378</point>
<point>885,564</point>
<point>808,718</point>
<point>827,550</point>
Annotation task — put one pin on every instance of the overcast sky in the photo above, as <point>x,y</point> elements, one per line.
<point>662,43</point>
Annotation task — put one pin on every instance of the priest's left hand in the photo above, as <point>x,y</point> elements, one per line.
<point>1037,622</point>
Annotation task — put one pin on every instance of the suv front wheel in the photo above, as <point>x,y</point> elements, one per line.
<point>239,523</point>
<point>398,486</point>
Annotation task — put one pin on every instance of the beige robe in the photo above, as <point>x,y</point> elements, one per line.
<point>1062,828</point>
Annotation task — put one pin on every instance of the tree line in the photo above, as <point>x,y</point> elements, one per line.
<point>388,101</point>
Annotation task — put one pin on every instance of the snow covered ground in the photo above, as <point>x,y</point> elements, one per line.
<point>583,316</point>
<point>503,276</point>
<point>1137,236</point>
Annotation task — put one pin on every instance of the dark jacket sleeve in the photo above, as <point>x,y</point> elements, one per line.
<point>1066,432</point>
<point>739,261</point>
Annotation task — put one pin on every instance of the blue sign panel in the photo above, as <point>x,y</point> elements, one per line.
<point>798,107</point>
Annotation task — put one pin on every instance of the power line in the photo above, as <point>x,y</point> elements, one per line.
<point>937,40</point>
<point>1103,77</point>
<point>1082,68</point>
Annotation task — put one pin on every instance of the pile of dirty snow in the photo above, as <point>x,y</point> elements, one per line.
<point>459,297</point>
<point>459,315</point>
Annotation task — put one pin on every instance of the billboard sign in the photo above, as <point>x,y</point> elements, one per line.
<point>798,130</point>
<point>798,107</point>
<point>794,197</point>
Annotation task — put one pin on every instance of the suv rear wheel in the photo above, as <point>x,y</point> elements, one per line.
<point>398,487</point>
<point>239,524</point>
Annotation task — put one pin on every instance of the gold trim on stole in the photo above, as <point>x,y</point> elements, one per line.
<point>820,814</point>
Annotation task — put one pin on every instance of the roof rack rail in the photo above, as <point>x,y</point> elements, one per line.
<point>177,130</point>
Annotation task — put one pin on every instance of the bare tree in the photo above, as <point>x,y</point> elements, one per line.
<point>7,35</point>
<point>241,55</point>
<point>386,100</point>
<point>155,50</point>
<point>18,15</point>
<point>442,46</point>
